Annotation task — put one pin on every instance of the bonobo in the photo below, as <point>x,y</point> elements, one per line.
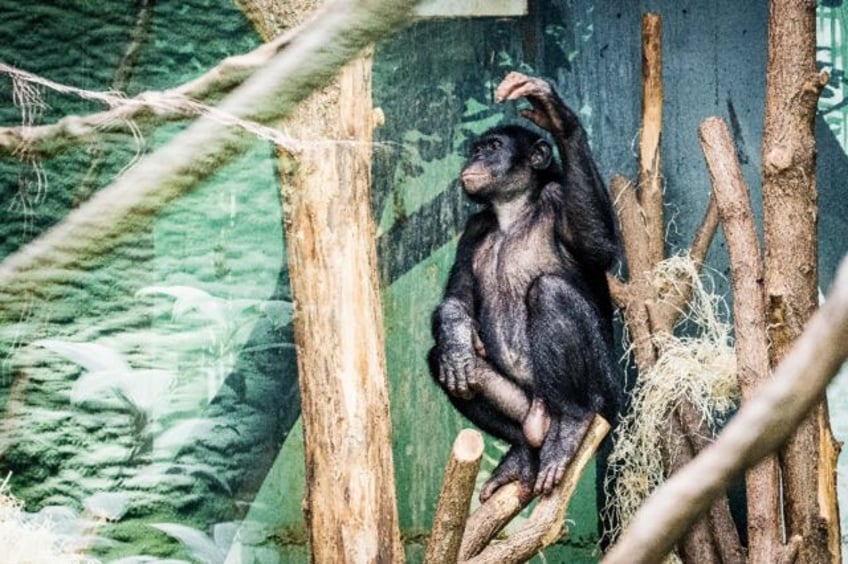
<point>524,333</point>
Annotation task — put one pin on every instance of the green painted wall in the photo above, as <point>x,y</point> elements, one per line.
<point>219,450</point>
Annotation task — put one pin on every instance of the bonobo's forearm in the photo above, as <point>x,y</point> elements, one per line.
<point>453,324</point>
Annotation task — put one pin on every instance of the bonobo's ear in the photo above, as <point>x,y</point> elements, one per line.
<point>540,155</point>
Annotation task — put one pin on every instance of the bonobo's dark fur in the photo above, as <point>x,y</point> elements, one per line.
<point>526,316</point>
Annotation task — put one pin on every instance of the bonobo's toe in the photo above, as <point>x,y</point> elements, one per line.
<point>519,464</point>
<point>561,443</point>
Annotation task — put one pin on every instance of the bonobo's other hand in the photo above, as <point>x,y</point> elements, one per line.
<point>540,95</point>
<point>456,368</point>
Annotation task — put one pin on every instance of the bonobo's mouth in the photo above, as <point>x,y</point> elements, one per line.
<point>473,181</point>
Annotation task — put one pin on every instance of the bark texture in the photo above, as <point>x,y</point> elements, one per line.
<point>350,494</point>
<point>455,498</point>
<point>488,520</point>
<point>760,427</point>
<point>349,502</point>
<point>650,155</point>
<point>762,483</point>
<point>790,219</point>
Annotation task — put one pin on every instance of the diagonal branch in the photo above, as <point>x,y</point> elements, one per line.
<point>151,107</point>
<point>545,525</point>
<point>765,534</point>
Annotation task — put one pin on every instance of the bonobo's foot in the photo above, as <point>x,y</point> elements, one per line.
<point>520,464</point>
<point>561,443</point>
<point>536,423</point>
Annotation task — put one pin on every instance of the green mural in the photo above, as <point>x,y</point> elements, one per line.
<point>150,397</point>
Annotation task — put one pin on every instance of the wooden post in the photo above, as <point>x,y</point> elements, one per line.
<point>790,219</point>
<point>350,490</point>
<point>455,498</point>
<point>650,162</point>
<point>762,482</point>
<point>350,507</point>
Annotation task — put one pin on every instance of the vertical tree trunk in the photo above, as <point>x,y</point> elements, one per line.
<point>650,155</point>
<point>762,482</point>
<point>350,491</point>
<point>349,502</point>
<point>791,274</point>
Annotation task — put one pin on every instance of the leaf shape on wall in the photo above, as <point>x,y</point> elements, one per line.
<point>93,357</point>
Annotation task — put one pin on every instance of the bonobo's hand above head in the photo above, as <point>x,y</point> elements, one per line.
<point>540,95</point>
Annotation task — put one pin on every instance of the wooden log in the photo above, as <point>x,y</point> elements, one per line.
<point>349,502</point>
<point>650,161</point>
<point>546,524</point>
<point>762,483</point>
<point>490,518</point>
<point>350,506</point>
<point>790,217</point>
<point>455,498</point>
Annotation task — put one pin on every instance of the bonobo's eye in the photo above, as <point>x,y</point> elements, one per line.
<point>496,144</point>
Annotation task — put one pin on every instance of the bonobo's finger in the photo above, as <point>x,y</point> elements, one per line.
<point>479,347</point>
<point>538,117</point>
<point>510,82</point>
<point>492,485</point>
<point>530,88</point>
<point>527,90</point>
<point>446,375</point>
<point>539,487</point>
<point>560,472</point>
<point>443,371</point>
<point>462,381</point>
<point>514,92</point>
<point>487,491</point>
<point>547,481</point>
<point>451,383</point>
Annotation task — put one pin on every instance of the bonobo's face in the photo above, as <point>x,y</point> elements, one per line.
<point>502,163</point>
<point>490,161</point>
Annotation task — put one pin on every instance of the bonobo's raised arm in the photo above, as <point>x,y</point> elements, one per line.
<point>587,205</point>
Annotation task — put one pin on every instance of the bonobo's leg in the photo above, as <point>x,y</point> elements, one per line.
<point>571,367</point>
<point>503,396</point>
<point>498,408</point>
<point>520,464</point>
<point>561,443</point>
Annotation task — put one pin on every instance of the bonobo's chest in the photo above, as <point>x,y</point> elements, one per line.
<point>506,263</point>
